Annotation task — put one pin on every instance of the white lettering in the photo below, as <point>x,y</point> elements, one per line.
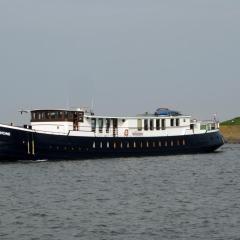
<point>5,133</point>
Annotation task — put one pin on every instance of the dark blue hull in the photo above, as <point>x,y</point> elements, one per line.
<point>21,144</point>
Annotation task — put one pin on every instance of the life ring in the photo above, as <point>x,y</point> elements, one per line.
<point>126,132</point>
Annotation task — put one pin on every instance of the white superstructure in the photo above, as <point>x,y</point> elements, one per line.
<point>83,123</point>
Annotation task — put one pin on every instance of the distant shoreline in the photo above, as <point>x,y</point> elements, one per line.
<point>231,133</point>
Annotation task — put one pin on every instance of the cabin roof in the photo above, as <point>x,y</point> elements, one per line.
<point>58,110</point>
<point>137,117</point>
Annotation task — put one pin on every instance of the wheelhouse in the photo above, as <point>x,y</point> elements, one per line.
<point>56,116</point>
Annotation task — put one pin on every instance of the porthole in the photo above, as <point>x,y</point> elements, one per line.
<point>159,144</point>
<point>171,143</point>
<point>166,143</point>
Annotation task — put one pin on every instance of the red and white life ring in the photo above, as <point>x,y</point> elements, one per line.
<point>126,132</point>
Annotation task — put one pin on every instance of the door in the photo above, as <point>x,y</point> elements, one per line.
<point>115,126</point>
<point>75,121</point>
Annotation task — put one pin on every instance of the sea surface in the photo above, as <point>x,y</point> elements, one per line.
<point>170,197</point>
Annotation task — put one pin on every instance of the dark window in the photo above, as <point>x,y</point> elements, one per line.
<point>151,125</point>
<point>145,124</point>
<point>108,122</point>
<point>158,124</point>
<point>100,124</point>
<point>93,124</point>
<point>172,122</point>
<point>163,124</point>
<point>177,122</point>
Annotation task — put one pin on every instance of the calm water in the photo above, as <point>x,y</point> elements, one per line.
<point>174,197</point>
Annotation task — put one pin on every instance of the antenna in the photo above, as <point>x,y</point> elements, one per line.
<point>92,106</point>
<point>67,95</point>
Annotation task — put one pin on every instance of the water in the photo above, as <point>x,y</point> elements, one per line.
<point>173,197</point>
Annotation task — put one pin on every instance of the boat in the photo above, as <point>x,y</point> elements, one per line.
<point>69,134</point>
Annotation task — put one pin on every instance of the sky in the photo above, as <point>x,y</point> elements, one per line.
<point>125,56</point>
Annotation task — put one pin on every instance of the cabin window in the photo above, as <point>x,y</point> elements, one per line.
<point>60,115</point>
<point>47,115</point>
<point>93,124</point>
<point>158,124</point>
<point>151,125</point>
<point>70,116</point>
<point>177,122</point>
<point>108,122</point>
<point>145,124</point>
<point>100,124</point>
<point>54,116</point>
<point>163,124</point>
<point>139,124</point>
<point>66,116</point>
<point>172,122</point>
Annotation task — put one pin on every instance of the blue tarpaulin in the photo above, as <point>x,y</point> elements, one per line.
<point>166,112</point>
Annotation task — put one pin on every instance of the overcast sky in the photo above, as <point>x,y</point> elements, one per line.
<point>130,56</point>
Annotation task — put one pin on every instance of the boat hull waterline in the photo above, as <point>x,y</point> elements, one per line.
<point>26,144</point>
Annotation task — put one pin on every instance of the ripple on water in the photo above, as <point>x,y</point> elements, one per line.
<point>171,197</point>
